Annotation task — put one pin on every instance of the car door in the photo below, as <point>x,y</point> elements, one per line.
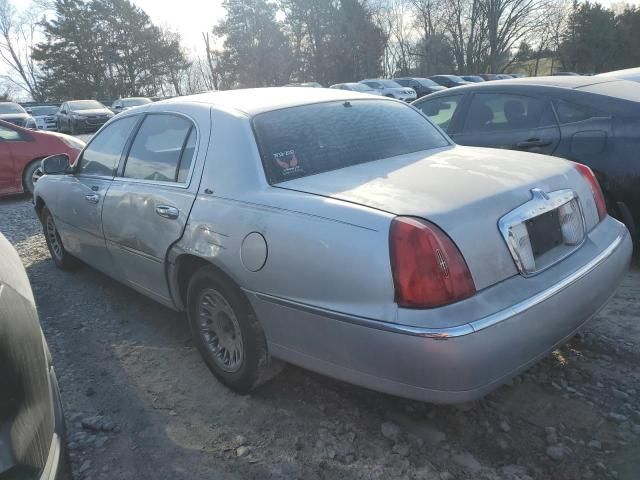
<point>77,208</point>
<point>154,191</point>
<point>508,120</point>
<point>10,178</point>
<point>442,110</point>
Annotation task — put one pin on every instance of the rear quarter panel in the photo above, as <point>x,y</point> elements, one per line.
<point>321,252</point>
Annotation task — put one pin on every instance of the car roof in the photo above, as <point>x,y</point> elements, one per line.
<point>610,86</point>
<point>253,101</point>
<point>627,74</point>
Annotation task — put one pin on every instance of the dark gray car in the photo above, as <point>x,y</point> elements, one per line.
<point>78,116</point>
<point>422,86</point>
<point>591,120</point>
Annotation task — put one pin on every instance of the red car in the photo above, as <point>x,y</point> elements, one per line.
<point>21,151</point>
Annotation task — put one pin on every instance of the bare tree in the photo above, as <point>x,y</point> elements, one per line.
<point>18,35</point>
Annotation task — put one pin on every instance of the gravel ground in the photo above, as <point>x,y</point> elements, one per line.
<point>141,405</point>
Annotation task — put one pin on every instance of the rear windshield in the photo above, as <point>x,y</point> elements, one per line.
<point>301,141</point>
<point>133,102</point>
<point>11,108</point>
<point>427,83</point>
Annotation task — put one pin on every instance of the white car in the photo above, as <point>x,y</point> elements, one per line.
<point>391,89</point>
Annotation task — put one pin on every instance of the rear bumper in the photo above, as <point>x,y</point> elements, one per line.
<point>461,362</point>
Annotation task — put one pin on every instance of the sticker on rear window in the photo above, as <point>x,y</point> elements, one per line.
<point>288,162</point>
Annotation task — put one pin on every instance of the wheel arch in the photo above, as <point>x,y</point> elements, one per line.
<point>39,204</point>
<point>181,269</point>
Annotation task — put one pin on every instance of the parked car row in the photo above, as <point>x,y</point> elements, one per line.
<point>410,88</point>
<point>75,116</point>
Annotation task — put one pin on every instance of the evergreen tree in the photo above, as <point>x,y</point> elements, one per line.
<point>105,49</point>
<point>256,52</point>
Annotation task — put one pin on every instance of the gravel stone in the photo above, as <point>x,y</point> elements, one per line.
<point>556,452</point>
<point>468,462</point>
<point>391,431</point>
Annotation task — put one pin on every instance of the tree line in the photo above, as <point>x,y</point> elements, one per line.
<point>61,49</point>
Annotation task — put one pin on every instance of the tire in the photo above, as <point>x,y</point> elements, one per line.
<point>227,332</point>
<point>63,259</point>
<point>27,176</point>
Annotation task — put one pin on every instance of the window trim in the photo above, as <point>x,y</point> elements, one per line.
<point>261,154</point>
<point>116,167</point>
<point>124,158</point>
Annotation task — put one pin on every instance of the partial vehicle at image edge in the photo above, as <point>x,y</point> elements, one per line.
<point>591,120</point>
<point>21,151</point>
<point>32,431</point>
<point>344,220</point>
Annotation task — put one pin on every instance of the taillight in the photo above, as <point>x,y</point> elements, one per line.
<point>428,269</point>
<point>598,197</point>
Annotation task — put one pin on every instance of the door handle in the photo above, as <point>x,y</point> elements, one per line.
<point>533,142</point>
<point>167,211</point>
<point>92,197</point>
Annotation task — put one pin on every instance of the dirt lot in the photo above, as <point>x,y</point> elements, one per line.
<point>141,405</point>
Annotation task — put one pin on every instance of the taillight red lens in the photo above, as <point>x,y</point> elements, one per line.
<point>428,269</point>
<point>598,197</point>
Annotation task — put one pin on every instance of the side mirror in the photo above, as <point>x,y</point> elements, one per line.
<point>56,164</point>
<point>118,107</point>
<point>29,111</point>
<point>431,109</point>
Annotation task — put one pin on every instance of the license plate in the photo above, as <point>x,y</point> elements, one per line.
<point>545,232</point>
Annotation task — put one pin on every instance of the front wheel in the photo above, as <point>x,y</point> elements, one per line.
<point>227,333</point>
<point>63,259</point>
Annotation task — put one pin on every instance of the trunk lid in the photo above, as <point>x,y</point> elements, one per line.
<point>463,190</point>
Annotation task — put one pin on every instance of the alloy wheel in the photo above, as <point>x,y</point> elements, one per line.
<point>220,330</point>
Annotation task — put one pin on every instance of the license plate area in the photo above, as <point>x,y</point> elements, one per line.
<point>545,232</point>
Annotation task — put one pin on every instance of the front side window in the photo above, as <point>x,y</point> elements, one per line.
<point>162,149</point>
<point>306,140</point>
<point>441,110</point>
<point>7,134</point>
<point>503,112</point>
<point>102,154</point>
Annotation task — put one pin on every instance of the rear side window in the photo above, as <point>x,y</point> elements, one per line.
<point>501,112</point>
<point>572,113</point>
<point>158,152</point>
<point>104,151</point>
<point>9,135</point>
<point>300,141</point>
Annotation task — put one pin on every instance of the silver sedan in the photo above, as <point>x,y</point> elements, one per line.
<point>340,232</point>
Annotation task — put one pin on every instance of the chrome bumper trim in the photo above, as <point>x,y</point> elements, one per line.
<point>464,329</point>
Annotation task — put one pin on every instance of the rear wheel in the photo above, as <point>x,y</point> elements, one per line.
<point>27,176</point>
<point>63,259</point>
<point>227,332</point>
